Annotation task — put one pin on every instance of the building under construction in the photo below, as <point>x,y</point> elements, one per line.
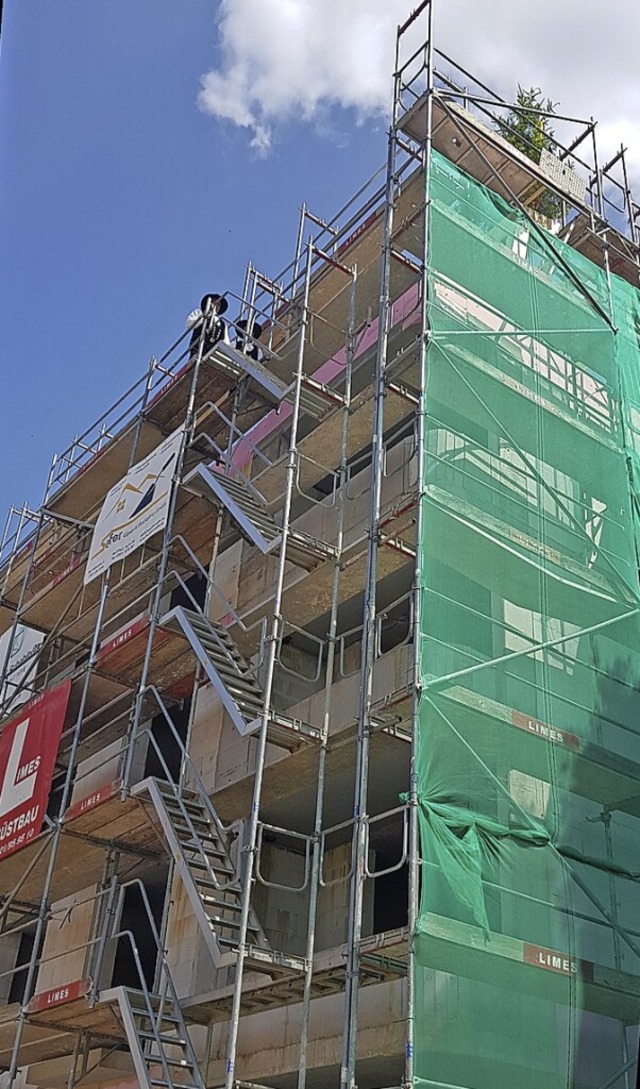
<point>320,744</point>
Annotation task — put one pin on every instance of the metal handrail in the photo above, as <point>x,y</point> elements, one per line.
<point>308,843</point>
<point>327,472</point>
<point>405,810</point>
<point>321,643</point>
<point>242,436</point>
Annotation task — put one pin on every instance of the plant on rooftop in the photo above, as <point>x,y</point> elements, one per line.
<point>528,127</point>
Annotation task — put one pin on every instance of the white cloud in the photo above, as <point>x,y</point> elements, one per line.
<point>286,59</point>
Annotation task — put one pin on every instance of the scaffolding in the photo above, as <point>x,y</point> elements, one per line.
<point>312,725</point>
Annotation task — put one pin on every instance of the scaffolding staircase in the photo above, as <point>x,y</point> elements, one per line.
<point>233,679</point>
<point>248,508</point>
<point>191,828</point>
<point>315,397</point>
<point>196,839</point>
<point>162,1053</point>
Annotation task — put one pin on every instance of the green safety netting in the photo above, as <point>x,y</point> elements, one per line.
<point>527,952</point>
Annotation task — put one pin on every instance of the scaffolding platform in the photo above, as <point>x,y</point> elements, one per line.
<point>39,1042</point>
<point>329,297</point>
<point>383,959</point>
<point>55,1018</point>
<point>622,253</point>
<point>288,799</point>
<point>488,157</point>
<point>92,825</point>
<point>94,477</point>
<point>326,435</point>
<point>121,657</point>
<point>64,591</point>
<point>162,415</point>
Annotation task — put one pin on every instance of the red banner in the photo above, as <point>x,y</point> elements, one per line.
<point>56,996</point>
<point>28,748</point>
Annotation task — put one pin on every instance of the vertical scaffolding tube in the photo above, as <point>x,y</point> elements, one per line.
<point>34,964</point>
<point>162,570</point>
<point>414,839</point>
<point>273,639</point>
<point>20,603</point>
<point>356,894</point>
<point>329,676</point>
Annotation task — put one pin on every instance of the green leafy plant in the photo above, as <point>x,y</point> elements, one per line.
<point>528,127</point>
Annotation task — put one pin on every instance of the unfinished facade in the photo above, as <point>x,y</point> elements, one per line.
<point>348,769</point>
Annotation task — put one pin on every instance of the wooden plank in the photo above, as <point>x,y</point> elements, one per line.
<point>91,481</point>
<point>329,973</point>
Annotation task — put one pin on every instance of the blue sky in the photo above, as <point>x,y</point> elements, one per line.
<point>122,203</point>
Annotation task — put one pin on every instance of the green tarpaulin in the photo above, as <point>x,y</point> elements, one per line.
<point>527,954</point>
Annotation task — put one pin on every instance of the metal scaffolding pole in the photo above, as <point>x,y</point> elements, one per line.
<point>358,865</point>
<point>32,973</point>
<point>163,564</point>
<point>414,840</point>
<point>316,860</point>
<point>250,846</point>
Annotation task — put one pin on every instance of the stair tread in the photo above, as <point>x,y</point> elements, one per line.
<point>173,1085</point>
<point>174,1041</point>
<point>186,834</point>
<point>201,823</point>
<point>232,924</point>
<point>183,1064</point>
<point>165,1018</point>
<point>192,847</point>
<point>203,882</point>
<point>221,905</point>
<point>195,811</point>
<point>197,865</point>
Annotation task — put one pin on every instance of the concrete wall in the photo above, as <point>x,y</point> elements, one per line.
<point>333,899</point>
<point>282,911</point>
<point>268,1044</point>
<point>69,928</point>
<point>190,963</point>
<point>8,961</point>
<point>104,767</point>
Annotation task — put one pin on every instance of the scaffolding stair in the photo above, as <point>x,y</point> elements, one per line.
<point>237,365</point>
<point>248,508</point>
<point>197,841</point>
<point>315,397</point>
<point>162,1053</point>
<point>233,679</point>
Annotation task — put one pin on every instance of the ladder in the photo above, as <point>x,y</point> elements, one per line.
<point>162,1053</point>
<point>193,832</point>
<point>233,679</point>
<point>248,508</point>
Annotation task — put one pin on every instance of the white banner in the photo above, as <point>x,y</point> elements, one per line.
<point>135,508</point>
<point>17,664</point>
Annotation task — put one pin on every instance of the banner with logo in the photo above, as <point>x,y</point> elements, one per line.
<point>18,664</point>
<point>28,749</point>
<point>135,508</point>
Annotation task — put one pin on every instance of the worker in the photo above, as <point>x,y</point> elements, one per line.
<point>246,343</point>
<point>209,313</point>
